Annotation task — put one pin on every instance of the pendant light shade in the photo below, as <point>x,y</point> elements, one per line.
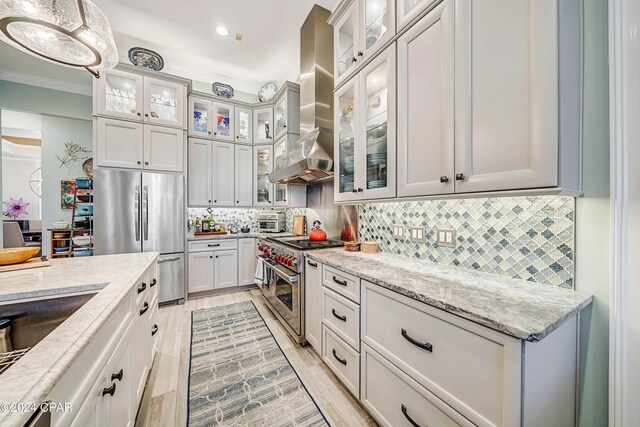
<point>74,33</point>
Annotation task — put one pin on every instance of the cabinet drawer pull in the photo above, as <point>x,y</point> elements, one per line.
<point>337,316</point>
<point>425,346</point>
<point>142,288</point>
<point>117,376</point>
<point>460,177</point>
<point>343,361</point>
<point>109,390</point>
<point>144,309</point>
<point>444,179</point>
<point>154,330</point>
<point>312,264</point>
<point>214,245</point>
<point>153,283</point>
<point>406,415</point>
<point>340,282</point>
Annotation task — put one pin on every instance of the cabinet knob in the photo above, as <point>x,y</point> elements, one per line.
<point>215,133</point>
<point>209,201</point>
<point>109,390</point>
<point>153,283</point>
<point>359,190</point>
<point>139,114</point>
<point>360,54</point>
<point>209,132</point>
<point>460,177</point>
<point>237,201</point>
<point>117,376</point>
<point>354,191</point>
<point>211,257</point>
<point>139,162</point>
<point>146,115</point>
<point>144,308</point>
<point>154,330</point>
<point>444,179</point>
<point>354,59</point>
<point>146,163</point>
<point>216,256</point>
<point>215,201</point>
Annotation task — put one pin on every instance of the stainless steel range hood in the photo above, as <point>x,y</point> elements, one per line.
<point>311,157</point>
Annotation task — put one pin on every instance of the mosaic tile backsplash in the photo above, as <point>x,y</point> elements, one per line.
<point>530,238</point>
<point>242,216</point>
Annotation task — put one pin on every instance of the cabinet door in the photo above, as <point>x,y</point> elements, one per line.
<point>345,44</point>
<point>425,105</point>
<point>263,126</point>
<point>244,175</point>
<point>140,350</point>
<point>201,268</point>
<point>376,25</point>
<point>163,102</point>
<point>119,144</point>
<point>226,269</point>
<point>163,148</point>
<point>376,165</point>
<point>121,408</point>
<point>345,149</point>
<point>506,101</point>
<point>119,94</point>
<point>244,125</point>
<point>201,118</point>
<point>407,10</point>
<point>246,261</point>
<point>92,412</point>
<point>313,304</point>
<point>223,122</point>
<point>262,167</point>
<point>280,150</point>
<point>200,172</point>
<point>223,174</point>
<point>280,116</point>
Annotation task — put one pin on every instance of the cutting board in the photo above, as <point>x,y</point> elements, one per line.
<point>32,263</point>
<point>299,222</point>
<point>210,233</point>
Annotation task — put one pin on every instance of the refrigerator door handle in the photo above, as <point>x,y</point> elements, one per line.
<point>145,208</point>
<point>136,204</point>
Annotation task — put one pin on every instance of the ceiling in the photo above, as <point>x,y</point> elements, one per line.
<point>184,33</point>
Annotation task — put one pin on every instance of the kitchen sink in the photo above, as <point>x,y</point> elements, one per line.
<point>32,321</point>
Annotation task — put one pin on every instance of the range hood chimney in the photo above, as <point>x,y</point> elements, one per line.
<point>311,160</point>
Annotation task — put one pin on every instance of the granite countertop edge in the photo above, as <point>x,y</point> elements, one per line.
<point>527,334</point>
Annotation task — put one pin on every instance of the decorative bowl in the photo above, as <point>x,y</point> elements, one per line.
<point>61,225</point>
<point>62,249</point>
<point>10,256</point>
<point>82,240</point>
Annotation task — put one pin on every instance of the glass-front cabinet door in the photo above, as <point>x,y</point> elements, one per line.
<point>345,48</point>
<point>263,126</point>
<point>377,132</point>
<point>200,118</point>
<point>163,102</point>
<point>119,94</point>
<point>280,117</point>
<point>279,154</point>
<point>262,167</point>
<point>224,120</point>
<point>409,9</point>
<point>345,150</point>
<point>244,125</point>
<point>376,22</point>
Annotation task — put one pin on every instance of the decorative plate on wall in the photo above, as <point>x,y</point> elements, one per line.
<point>146,58</point>
<point>267,92</point>
<point>87,167</point>
<point>222,89</point>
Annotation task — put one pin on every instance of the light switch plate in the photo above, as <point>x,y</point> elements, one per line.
<point>446,237</point>
<point>417,235</point>
<point>398,232</point>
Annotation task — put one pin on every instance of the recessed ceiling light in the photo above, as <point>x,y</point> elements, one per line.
<point>222,31</point>
<point>239,37</point>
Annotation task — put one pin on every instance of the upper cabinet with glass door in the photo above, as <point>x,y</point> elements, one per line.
<point>361,28</point>
<point>286,111</point>
<point>408,10</point>
<point>200,118</point>
<point>130,96</point>
<point>263,126</point>
<point>244,125</point>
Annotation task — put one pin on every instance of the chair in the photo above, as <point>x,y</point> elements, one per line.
<point>12,235</point>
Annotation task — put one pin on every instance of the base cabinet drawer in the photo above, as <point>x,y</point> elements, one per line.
<point>473,369</point>
<point>342,316</point>
<point>395,399</point>
<point>343,360</point>
<point>213,245</point>
<point>343,283</point>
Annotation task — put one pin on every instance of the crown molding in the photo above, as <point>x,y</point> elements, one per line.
<point>45,82</point>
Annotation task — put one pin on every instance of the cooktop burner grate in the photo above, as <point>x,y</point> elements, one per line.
<point>306,244</point>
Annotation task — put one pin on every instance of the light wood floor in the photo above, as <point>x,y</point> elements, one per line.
<point>165,398</point>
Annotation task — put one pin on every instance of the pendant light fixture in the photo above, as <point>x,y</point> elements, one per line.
<point>73,33</point>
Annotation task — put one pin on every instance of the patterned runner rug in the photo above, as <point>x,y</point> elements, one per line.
<point>239,376</point>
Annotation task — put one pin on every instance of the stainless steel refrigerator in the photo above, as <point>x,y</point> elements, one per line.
<point>142,212</point>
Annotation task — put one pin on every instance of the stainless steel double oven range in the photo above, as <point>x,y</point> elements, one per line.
<point>283,285</point>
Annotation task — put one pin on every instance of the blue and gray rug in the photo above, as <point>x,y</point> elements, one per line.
<point>239,376</point>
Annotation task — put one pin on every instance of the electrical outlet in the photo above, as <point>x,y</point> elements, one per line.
<point>418,235</point>
<point>447,237</point>
<point>398,232</point>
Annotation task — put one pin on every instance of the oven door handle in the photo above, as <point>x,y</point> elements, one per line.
<point>288,277</point>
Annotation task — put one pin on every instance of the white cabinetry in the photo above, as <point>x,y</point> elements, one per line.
<point>365,132</point>
<point>130,96</point>
<point>211,119</point>
<point>163,148</point>
<point>263,125</point>
<point>293,196</point>
<point>226,269</point>
<point>223,174</point>
<point>262,167</point>
<point>408,10</point>
<point>200,182</point>
<point>313,304</point>
<point>201,271</point>
<point>286,111</point>
<point>244,125</point>
<point>213,264</point>
<point>244,175</point>
<point>246,261</point>
<point>425,105</point>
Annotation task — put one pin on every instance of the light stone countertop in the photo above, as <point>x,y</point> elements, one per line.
<point>522,309</point>
<point>34,376</point>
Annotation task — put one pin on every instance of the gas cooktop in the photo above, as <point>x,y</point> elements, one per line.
<point>303,243</point>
